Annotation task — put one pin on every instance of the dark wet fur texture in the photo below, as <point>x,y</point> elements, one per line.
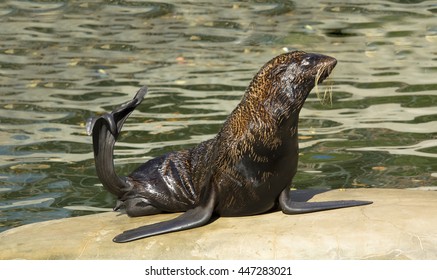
<point>246,169</point>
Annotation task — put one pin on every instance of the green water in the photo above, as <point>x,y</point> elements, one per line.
<point>64,61</point>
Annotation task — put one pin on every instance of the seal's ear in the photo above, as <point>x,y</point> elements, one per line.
<point>291,72</point>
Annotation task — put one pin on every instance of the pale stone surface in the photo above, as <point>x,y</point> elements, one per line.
<point>401,224</point>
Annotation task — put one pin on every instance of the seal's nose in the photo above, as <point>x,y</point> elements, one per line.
<point>322,65</point>
<point>331,61</point>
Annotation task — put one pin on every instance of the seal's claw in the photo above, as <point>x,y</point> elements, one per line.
<point>118,205</point>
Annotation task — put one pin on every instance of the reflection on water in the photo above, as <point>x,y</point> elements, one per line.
<point>64,61</point>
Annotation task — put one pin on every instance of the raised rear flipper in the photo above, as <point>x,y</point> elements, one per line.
<point>117,117</point>
<point>105,130</point>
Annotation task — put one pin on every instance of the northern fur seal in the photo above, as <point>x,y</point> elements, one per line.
<point>246,169</point>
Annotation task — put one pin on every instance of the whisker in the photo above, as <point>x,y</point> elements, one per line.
<point>327,95</point>
<point>318,74</point>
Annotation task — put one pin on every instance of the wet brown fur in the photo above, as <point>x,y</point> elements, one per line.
<point>241,171</point>
<point>252,132</point>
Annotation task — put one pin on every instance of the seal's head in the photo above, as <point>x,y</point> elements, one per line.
<point>289,78</point>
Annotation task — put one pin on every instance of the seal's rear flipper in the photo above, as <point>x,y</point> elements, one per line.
<point>105,130</point>
<point>118,116</point>
<point>193,218</point>
<point>296,207</point>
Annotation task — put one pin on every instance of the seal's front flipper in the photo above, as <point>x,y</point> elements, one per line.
<point>193,218</point>
<point>297,207</point>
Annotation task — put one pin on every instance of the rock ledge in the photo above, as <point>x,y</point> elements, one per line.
<point>400,224</point>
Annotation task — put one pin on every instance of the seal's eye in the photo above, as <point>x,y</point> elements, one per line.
<point>308,62</point>
<point>305,62</point>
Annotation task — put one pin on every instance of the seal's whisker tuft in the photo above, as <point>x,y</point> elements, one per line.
<point>326,99</point>
<point>327,96</point>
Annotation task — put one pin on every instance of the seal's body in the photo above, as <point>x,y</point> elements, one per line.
<point>246,169</point>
